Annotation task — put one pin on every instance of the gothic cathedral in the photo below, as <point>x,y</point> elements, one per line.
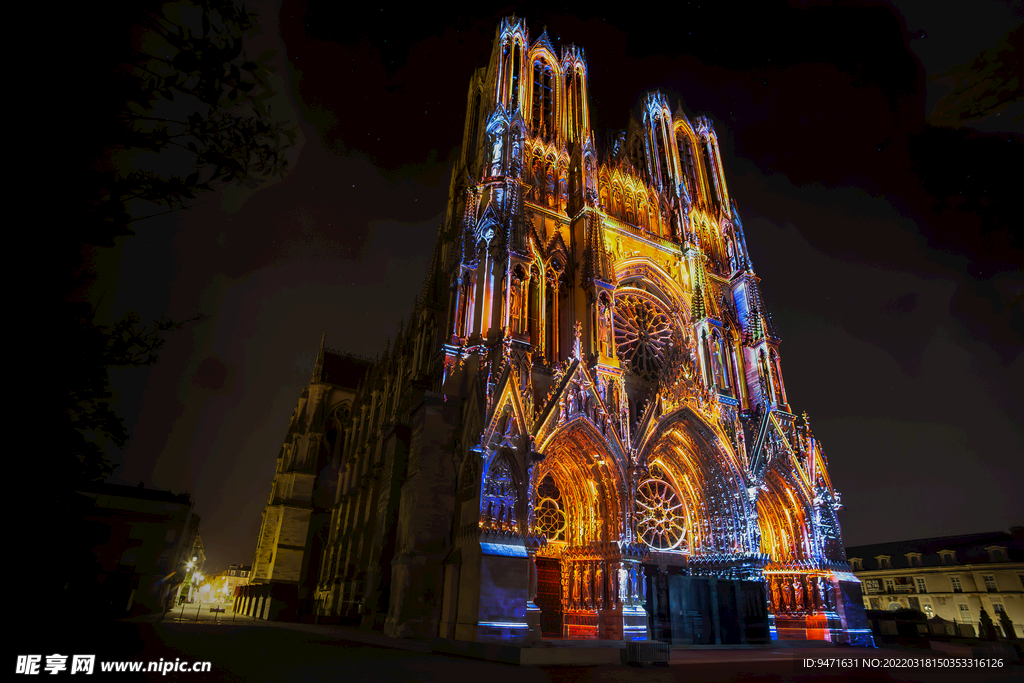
<point>583,431</point>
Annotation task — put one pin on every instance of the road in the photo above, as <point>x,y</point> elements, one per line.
<point>261,652</point>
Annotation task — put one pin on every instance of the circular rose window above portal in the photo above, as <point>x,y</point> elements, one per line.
<point>659,513</point>
<point>643,331</point>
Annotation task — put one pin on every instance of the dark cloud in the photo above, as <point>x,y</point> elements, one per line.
<point>212,374</point>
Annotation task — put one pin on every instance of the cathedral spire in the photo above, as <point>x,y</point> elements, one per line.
<point>318,365</point>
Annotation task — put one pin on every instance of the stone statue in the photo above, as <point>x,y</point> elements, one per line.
<point>576,586</point>
<point>776,603</point>
<point>598,587</point>
<point>798,593</point>
<point>514,307</point>
<point>496,153</point>
<point>586,588</point>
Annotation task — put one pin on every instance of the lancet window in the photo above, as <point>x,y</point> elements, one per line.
<point>686,159</point>
<point>637,156</point>
<point>709,166</point>
<point>543,96</point>
<point>511,59</point>
<point>664,162</point>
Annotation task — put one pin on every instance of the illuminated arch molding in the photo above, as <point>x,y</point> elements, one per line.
<point>709,480</point>
<point>783,513</point>
<point>643,272</point>
<point>591,481</point>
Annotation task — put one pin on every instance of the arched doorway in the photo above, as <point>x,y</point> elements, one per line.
<point>589,577</point>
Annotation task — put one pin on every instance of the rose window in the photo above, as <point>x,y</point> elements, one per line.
<point>659,512</point>
<point>642,334</point>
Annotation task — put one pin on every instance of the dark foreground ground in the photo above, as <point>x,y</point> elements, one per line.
<point>264,652</point>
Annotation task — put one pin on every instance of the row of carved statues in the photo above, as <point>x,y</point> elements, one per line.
<point>790,593</point>
<point>602,584</point>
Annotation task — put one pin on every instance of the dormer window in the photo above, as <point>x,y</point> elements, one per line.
<point>883,562</point>
<point>948,556</point>
<point>913,559</point>
<point>858,565</point>
<point>996,553</point>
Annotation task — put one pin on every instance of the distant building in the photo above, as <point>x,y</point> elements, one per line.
<point>224,583</point>
<point>140,541</point>
<point>294,528</point>
<point>951,577</point>
<point>237,575</point>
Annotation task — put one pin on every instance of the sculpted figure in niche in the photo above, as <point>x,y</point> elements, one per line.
<point>496,139</point>
<point>586,587</point>
<point>576,586</point>
<point>776,600</point>
<point>798,593</point>
<point>515,305</point>
<point>787,600</point>
<point>599,587</point>
<point>515,154</point>
<point>813,602</point>
<point>613,586</point>
<point>602,325</point>
<point>624,595</point>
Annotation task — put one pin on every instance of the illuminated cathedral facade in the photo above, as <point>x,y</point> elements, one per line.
<point>583,431</point>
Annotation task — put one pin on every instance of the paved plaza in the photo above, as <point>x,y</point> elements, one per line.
<point>265,652</point>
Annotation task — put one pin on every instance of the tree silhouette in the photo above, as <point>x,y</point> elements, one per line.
<point>175,107</point>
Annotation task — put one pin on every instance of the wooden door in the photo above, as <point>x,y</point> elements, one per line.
<point>549,596</point>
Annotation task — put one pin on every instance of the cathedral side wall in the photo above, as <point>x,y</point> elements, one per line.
<point>424,525</point>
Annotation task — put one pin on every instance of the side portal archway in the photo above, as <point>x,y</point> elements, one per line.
<point>581,505</point>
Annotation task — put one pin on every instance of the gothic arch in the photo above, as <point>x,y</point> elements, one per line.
<point>592,481</point>
<point>709,480</point>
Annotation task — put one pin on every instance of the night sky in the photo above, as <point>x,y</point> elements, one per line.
<point>889,248</point>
